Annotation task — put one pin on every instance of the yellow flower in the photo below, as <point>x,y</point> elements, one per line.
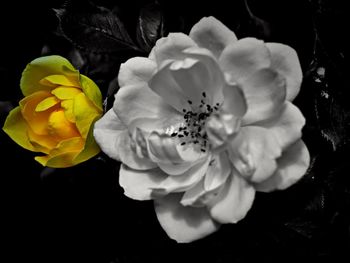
<point>57,114</point>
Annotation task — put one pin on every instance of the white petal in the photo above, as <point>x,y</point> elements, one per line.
<point>286,62</point>
<point>244,57</point>
<point>138,184</point>
<point>210,33</point>
<point>114,140</point>
<point>206,190</point>
<point>181,183</point>
<point>199,79</point>
<point>136,70</point>
<point>221,128</point>
<point>254,152</point>
<point>170,47</point>
<point>291,167</point>
<point>163,148</point>
<point>183,224</point>
<point>163,84</point>
<point>218,171</point>
<point>235,101</point>
<point>139,102</point>
<point>265,93</point>
<point>234,201</point>
<point>216,77</point>
<point>106,133</point>
<point>287,125</point>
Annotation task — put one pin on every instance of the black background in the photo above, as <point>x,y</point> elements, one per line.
<point>81,215</point>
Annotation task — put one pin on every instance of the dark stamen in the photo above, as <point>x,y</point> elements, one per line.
<point>204,95</point>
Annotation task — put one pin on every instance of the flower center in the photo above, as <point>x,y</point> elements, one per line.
<point>192,130</point>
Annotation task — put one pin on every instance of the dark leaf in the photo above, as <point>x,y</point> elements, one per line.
<point>112,89</point>
<point>94,28</point>
<point>254,25</point>
<point>150,26</point>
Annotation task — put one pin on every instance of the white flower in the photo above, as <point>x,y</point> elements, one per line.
<point>203,123</point>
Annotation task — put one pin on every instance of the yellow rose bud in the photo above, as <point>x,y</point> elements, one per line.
<point>57,114</point>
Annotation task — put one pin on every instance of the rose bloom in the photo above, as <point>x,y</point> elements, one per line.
<point>57,113</point>
<point>202,124</point>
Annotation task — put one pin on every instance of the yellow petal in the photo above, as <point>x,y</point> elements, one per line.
<point>64,154</point>
<point>62,160</point>
<point>91,148</point>
<point>43,143</point>
<point>91,91</point>
<point>85,112</point>
<point>42,67</point>
<point>16,127</point>
<point>59,80</point>
<point>65,93</point>
<point>36,120</point>
<point>47,103</point>
<point>58,125</point>
<point>67,105</point>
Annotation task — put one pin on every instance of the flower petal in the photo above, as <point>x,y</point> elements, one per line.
<point>180,183</point>
<point>254,152</point>
<point>233,201</point>
<point>287,125</point>
<point>265,93</point>
<point>67,106</point>
<point>91,91</point>
<point>221,128</point>
<point>113,138</point>
<point>61,160</point>
<point>207,189</point>
<point>286,62</point>
<point>65,93</point>
<point>47,103</point>
<point>42,67</point>
<point>16,127</point>
<point>218,171</point>
<point>197,196</point>
<point>90,149</point>
<point>36,120</point>
<point>291,167</point>
<point>135,70</point>
<point>139,102</point>
<point>171,47</point>
<point>61,80</point>
<point>63,154</point>
<point>199,77</point>
<point>163,84</point>
<point>183,224</point>
<point>235,102</point>
<point>244,57</point>
<point>216,76</point>
<point>42,143</point>
<point>138,184</point>
<point>59,126</point>
<point>163,148</point>
<point>85,112</point>
<point>106,133</point>
<point>210,33</point>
